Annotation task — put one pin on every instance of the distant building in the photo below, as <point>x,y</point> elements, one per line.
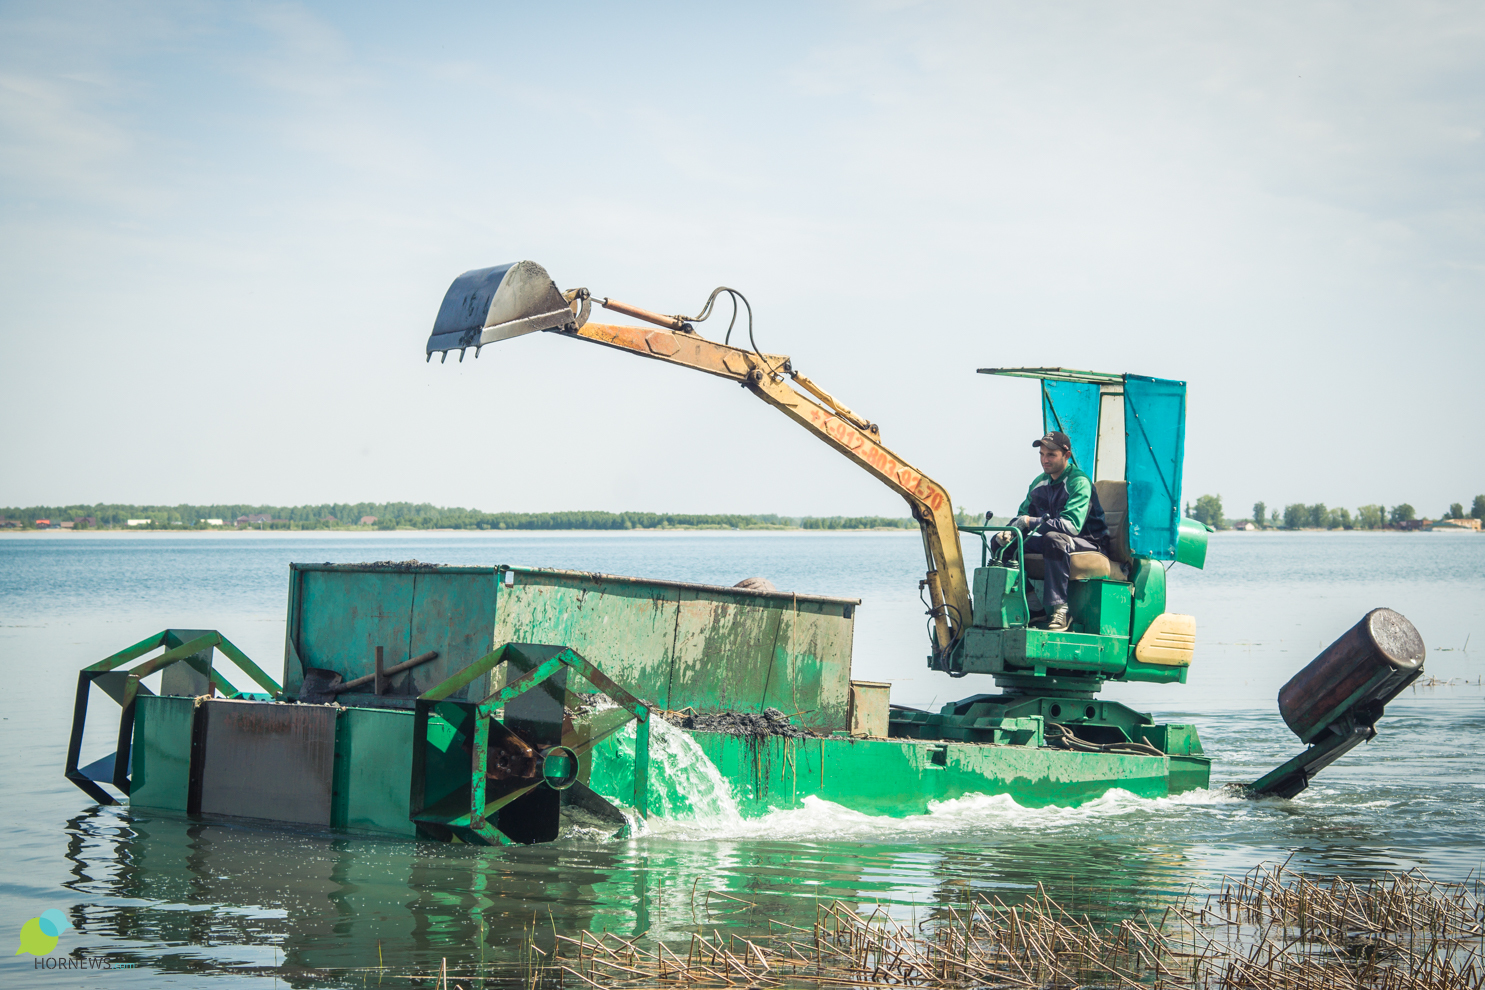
<point>368,520</point>
<point>43,524</point>
<point>91,522</point>
<point>138,522</point>
<point>1448,524</point>
<point>1244,525</point>
<point>66,524</point>
<point>253,520</point>
<point>214,522</point>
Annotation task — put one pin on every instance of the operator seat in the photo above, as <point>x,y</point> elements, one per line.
<point>1088,564</point>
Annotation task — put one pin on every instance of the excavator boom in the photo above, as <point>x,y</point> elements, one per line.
<point>771,377</point>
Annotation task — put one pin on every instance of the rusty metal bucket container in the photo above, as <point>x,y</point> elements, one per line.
<point>1357,674</point>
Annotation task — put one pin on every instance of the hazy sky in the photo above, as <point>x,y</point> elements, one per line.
<point>226,229</point>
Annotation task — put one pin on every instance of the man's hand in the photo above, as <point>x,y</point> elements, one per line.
<point>1024,523</point>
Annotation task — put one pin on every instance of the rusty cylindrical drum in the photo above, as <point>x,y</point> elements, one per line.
<point>1356,675</point>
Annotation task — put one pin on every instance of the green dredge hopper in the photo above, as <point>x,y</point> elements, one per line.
<point>494,704</point>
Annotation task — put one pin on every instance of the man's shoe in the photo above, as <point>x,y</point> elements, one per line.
<point>1058,621</point>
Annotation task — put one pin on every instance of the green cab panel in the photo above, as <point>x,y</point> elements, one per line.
<point>1099,607</point>
<point>1191,544</point>
<point>1148,590</point>
<point>998,600</point>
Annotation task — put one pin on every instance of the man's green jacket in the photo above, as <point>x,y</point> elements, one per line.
<point>1067,504</point>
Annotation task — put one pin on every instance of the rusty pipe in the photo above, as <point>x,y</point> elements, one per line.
<point>387,672</point>
<point>668,322</point>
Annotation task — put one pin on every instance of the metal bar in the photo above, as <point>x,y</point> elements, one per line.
<point>396,668</point>
<point>169,657</point>
<point>642,768</point>
<point>1056,374</point>
<point>479,765</point>
<point>603,682</point>
<point>74,744</point>
<point>139,649</point>
<point>466,676</point>
<point>248,667</point>
<point>494,806</point>
<point>519,686</point>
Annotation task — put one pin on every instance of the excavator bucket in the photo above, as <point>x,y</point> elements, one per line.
<point>490,304</point>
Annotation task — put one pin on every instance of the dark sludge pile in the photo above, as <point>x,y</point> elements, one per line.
<point>769,722</point>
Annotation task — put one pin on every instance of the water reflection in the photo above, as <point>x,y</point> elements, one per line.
<point>176,894</point>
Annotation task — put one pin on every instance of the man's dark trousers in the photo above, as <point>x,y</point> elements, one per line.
<point>1056,566</point>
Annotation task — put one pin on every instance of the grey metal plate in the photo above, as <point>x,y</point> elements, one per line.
<point>262,760</point>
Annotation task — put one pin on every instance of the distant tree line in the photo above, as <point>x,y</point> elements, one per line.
<point>410,515</point>
<point>1208,510</point>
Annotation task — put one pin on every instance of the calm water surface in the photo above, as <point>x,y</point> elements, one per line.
<point>190,901</point>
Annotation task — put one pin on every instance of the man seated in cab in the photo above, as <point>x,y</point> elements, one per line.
<point>1060,516</point>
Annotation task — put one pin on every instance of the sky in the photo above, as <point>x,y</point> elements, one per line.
<point>225,229</point>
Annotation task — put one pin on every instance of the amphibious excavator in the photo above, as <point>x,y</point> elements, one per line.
<point>494,703</point>
<point>1127,432</point>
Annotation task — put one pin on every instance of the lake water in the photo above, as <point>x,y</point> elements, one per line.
<point>188,901</point>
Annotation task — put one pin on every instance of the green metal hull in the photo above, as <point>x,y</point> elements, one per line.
<point>416,759</point>
<point>901,777</point>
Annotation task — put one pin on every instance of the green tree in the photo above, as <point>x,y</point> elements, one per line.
<point>1319,516</point>
<point>1339,519</point>
<point>1208,511</point>
<point>1371,517</point>
<point>1296,516</point>
<point>1273,518</point>
<point>1260,513</point>
<point>1402,513</point>
<point>1477,511</point>
<point>1456,511</point>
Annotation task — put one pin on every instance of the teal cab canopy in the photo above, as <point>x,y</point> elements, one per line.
<point>1131,429</point>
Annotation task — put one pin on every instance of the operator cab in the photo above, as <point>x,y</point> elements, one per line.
<point>1127,433</point>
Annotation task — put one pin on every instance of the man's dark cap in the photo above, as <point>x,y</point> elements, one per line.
<point>1056,439</point>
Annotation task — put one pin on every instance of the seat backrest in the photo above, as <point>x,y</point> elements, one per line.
<point>1113,498</point>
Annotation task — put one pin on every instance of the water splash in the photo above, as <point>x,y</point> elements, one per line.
<point>684,784</point>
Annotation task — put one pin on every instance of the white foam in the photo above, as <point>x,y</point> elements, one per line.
<point>969,815</point>
<point>690,800</point>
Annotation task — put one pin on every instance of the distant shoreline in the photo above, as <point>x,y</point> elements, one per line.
<point>246,533</point>
<point>362,531</point>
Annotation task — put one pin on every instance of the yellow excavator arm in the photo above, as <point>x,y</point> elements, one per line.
<point>771,377</point>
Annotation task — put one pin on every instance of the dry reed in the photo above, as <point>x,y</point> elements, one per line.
<point>1271,928</point>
